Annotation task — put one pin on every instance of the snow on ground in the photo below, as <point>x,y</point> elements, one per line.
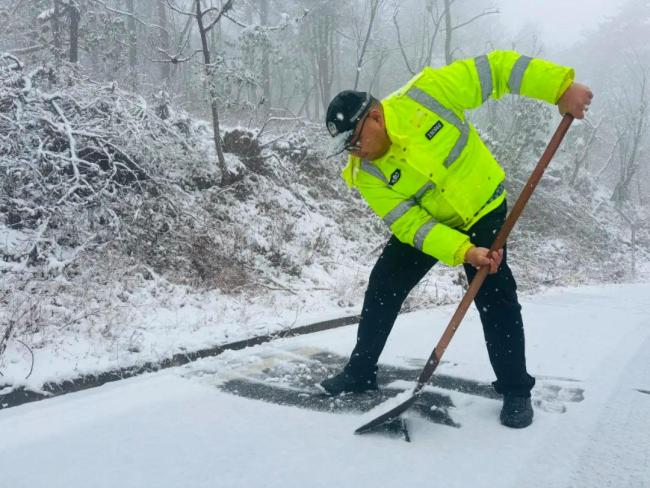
<point>151,320</point>
<point>177,428</point>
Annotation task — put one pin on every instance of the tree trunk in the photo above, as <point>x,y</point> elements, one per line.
<point>633,227</point>
<point>581,158</point>
<point>266,54</point>
<point>209,73</point>
<point>630,165</point>
<point>322,49</point>
<point>75,18</point>
<point>133,39</point>
<point>374,4</point>
<point>56,30</point>
<point>165,68</point>
<point>448,32</point>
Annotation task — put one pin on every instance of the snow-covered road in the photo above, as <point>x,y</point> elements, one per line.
<point>588,347</point>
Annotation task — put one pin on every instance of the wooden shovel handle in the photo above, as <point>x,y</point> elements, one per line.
<point>498,243</point>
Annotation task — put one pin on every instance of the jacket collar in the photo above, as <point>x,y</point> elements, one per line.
<point>351,170</point>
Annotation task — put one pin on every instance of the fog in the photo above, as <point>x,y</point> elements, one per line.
<point>560,23</point>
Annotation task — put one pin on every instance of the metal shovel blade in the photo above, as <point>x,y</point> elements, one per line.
<point>387,417</point>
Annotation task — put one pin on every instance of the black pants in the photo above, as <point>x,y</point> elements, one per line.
<point>401,266</point>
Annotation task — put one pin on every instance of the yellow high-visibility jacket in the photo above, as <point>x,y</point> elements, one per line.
<point>438,176</point>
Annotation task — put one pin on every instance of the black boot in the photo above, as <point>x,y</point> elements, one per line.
<point>344,382</point>
<point>517,411</point>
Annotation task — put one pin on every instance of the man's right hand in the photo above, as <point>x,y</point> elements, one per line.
<point>481,256</point>
<point>575,101</point>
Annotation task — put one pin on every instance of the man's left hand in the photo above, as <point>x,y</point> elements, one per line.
<point>575,101</point>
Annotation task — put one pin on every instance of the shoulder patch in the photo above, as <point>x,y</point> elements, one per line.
<point>394,178</point>
<point>434,130</point>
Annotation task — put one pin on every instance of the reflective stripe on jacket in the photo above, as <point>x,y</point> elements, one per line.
<point>437,175</point>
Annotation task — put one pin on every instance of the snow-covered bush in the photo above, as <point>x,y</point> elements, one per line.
<point>99,184</point>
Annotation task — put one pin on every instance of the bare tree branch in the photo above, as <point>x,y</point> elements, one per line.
<point>228,5</point>
<point>400,44</point>
<point>467,22</point>
<point>174,58</point>
<point>374,6</point>
<point>28,50</point>
<point>127,14</point>
<point>235,21</point>
<point>31,367</point>
<point>172,5</point>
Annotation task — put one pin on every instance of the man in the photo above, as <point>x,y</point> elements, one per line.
<point>423,169</point>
